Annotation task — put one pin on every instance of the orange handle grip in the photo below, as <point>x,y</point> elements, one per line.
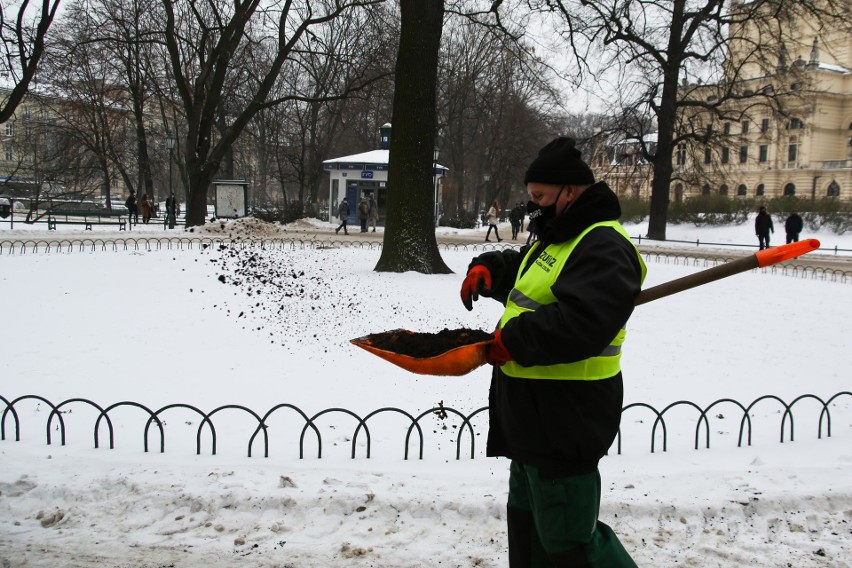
<point>767,257</point>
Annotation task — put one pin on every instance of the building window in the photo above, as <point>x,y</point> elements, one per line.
<point>9,130</point>
<point>789,190</point>
<point>723,189</point>
<point>705,190</point>
<point>792,151</point>
<point>678,193</point>
<point>764,125</point>
<point>745,127</point>
<point>708,155</point>
<point>681,154</point>
<point>795,124</point>
<point>9,155</point>
<point>28,113</point>
<point>763,154</point>
<point>743,154</point>
<point>726,128</point>
<point>759,190</point>
<point>742,190</point>
<point>726,155</point>
<point>833,189</point>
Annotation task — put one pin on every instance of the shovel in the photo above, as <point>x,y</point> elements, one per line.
<point>472,347</point>
<point>395,346</point>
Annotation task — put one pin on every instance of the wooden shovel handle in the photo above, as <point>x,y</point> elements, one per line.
<point>760,259</point>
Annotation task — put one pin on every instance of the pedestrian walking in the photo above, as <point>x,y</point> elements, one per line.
<point>343,215</point>
<point>132,208</point>
<point>374,213</point>
<point>146,207</point>
<point>763,227</point>
<point>492,218</point>
<point>363,214</point>
<point>793,226</point>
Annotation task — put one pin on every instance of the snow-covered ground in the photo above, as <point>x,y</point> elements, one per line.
<point>258,328</point>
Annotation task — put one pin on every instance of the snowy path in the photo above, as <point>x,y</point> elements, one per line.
<point>147,512</point>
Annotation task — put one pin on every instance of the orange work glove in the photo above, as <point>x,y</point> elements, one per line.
<point>477,281</point>
<point>497,352</point>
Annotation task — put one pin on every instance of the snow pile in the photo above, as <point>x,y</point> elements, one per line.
<point>242,228</point>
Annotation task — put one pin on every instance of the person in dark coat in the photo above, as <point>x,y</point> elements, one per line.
<point>793,226</point>
<point>363,214</point>
<point>515,216</point>
<point>556,388</point>
<point>762,228</point>
<point>132,208</point>
<point>533,211</point>
<point>343,214</point>
<point>171,211</point>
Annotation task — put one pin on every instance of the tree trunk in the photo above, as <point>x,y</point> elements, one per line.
<point>659,212</point>
<point>666,112</point>
<point>409,240</point>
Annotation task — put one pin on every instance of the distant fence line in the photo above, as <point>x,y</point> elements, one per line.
<point>93,244</point>
<point>697,242</point>
<point>154,419</point>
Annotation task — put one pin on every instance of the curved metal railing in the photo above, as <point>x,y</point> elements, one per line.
<point>413,426</point>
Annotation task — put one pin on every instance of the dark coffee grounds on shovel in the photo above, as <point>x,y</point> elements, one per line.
<point>423,345</point>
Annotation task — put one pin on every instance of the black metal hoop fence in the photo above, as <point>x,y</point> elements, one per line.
<point>63,246</point>
<point>311,434</point>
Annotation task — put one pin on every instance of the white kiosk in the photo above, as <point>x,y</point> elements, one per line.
<point>365,175</point>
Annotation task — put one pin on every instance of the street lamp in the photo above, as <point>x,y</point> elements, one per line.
<point>170,144</point>
<point>435,153</point>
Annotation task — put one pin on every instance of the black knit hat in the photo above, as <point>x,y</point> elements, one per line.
<point>560,163</point>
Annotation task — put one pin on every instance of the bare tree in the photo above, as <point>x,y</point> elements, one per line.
<point>495,108</point>
<point>300,133</point>
<point>126,30</point>
<point>206,41</point>
<point>90,103</point>
<point>23,35</point>
<point>651,47</point>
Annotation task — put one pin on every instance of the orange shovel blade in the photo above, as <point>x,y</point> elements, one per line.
<point>767,257</point>
<point>457,361</point>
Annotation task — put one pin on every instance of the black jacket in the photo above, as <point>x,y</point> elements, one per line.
<point>763,224</point>
<point>565,427</point>
<point>793,225</point>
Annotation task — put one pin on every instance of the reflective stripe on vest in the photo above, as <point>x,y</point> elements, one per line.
<point>533,290</point>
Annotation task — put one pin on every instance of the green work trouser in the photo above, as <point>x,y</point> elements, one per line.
<point>554,522</point>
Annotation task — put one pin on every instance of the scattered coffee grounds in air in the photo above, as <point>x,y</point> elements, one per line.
<point>426,344</point>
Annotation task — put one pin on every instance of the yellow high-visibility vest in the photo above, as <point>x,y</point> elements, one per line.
<point>533,289</point>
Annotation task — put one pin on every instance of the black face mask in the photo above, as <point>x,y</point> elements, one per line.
<point>543,215</point>
<point>546,214</point>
